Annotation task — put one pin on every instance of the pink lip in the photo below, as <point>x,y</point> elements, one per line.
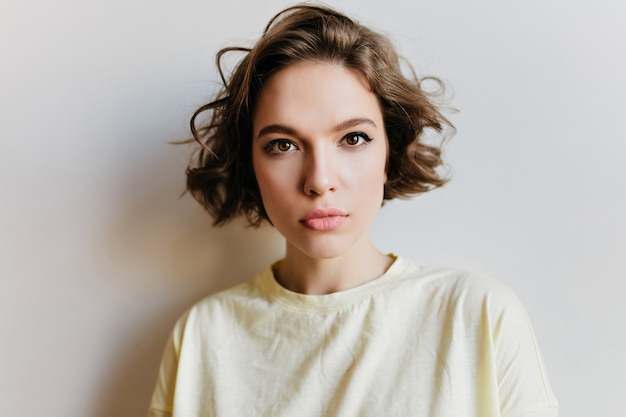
<point>324,219</point>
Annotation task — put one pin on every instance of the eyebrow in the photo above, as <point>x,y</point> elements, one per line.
<point>286,130</point>
<point>277,128</point>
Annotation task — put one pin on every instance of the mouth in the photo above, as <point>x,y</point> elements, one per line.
<point>324,219</point>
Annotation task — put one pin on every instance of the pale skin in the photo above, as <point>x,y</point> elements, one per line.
<point>319,155</point>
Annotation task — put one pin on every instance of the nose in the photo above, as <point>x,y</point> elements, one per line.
<point>319,173</point>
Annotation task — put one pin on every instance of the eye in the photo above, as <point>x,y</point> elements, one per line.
<point>278,146</point>
<point>356,139</point>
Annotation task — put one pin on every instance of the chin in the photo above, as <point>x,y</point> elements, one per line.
<point>327,247</point>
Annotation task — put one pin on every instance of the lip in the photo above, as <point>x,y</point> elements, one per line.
<point>324,219</point>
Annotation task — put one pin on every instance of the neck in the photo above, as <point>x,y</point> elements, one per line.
<point>308,275</point>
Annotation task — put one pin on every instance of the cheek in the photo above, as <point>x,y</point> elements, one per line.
<point>273,183</point>
<point>373,169</point>
<point>373,181</point>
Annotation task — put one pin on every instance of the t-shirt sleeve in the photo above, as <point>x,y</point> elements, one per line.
<point>523,386</point>
<point>162,402</point>
<point>158,413</point>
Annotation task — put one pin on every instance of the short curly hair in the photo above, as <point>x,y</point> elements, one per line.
<point>221,177</point>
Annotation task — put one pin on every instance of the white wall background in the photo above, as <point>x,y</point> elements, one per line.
<point>99,256</point>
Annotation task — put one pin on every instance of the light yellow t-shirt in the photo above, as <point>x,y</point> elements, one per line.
<point>418,341</point>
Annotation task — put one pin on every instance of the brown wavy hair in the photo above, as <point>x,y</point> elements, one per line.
<point>221,176</point>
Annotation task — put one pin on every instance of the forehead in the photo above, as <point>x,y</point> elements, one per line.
<point>312,95</point>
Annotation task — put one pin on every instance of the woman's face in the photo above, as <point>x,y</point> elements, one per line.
<point>319,152</point>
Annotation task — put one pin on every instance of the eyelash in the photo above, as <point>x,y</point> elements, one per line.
<point>362,135</point>
<point>271,147</point>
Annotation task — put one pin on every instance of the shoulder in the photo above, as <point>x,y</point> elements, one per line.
<point>457,283</point>
<point>220,311</point>
<point>459,293</point>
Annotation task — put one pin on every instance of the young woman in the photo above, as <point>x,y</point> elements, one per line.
<point>315,128</point>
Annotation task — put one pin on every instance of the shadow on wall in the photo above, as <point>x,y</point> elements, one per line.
<point>164,255</point>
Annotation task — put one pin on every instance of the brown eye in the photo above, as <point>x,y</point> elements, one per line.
<point>283,146</point>
<point>280,146</point>
<point>356,139</point>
